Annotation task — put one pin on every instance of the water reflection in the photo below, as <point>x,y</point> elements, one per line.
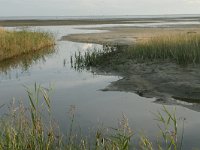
<point>82,90</point>
<point>25,61</point>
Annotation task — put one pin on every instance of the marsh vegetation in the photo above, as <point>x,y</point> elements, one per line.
<point>180,48</point>
<point>15,43</point>
<point>34,127</point>
<point>154,67</point>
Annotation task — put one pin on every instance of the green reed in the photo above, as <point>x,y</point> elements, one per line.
<point>179,48</point>
<point>33,127</point>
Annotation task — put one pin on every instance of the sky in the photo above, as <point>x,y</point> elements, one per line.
<point>97,7</point>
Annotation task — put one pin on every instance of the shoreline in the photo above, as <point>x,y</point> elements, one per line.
<point>166,81</point>
<point>145,79</point>
<point>91,21</point>
<point>127,35</point>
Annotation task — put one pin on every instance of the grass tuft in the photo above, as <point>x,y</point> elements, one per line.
<point>14,43</point>
<point>181,48</point>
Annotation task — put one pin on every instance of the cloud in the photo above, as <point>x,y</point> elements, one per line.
<point>96,7</point>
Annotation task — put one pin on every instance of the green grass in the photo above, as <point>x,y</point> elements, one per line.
<point>97,57</point>
<point>15,43</point>
<point>34,128</point>
<point>179,48</point>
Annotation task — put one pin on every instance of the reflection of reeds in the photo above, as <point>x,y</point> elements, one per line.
<point>33,128</point>
<point>14,43</point>
<point>25,60</point>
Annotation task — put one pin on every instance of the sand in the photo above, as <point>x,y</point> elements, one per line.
<point>127,35</point>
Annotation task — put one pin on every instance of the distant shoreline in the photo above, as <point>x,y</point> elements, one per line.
<point>10,22</point>
<point>97,17</point>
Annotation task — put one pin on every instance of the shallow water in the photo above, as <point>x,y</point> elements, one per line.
<point>82,89</point>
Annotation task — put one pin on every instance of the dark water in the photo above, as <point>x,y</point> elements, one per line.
<point>82,89</point>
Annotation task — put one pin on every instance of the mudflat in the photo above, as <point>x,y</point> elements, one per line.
<point>128,35</point>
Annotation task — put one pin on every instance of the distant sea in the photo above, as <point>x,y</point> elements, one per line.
<point>94,17</point>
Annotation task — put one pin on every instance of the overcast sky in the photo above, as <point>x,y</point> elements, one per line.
<point>97,7</point>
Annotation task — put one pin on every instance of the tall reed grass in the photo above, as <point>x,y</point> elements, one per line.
<point>97,57</point>
<point>34,128</point>
<point>180,48</point>
<point>183,48</point>
<point>14,43</point>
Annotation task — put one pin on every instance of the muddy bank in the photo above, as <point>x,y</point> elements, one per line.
<point>166,81</point>
<point>161,80</point>
<point>169,83</point>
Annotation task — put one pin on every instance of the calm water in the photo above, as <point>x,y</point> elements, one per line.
<point>82,89</point>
